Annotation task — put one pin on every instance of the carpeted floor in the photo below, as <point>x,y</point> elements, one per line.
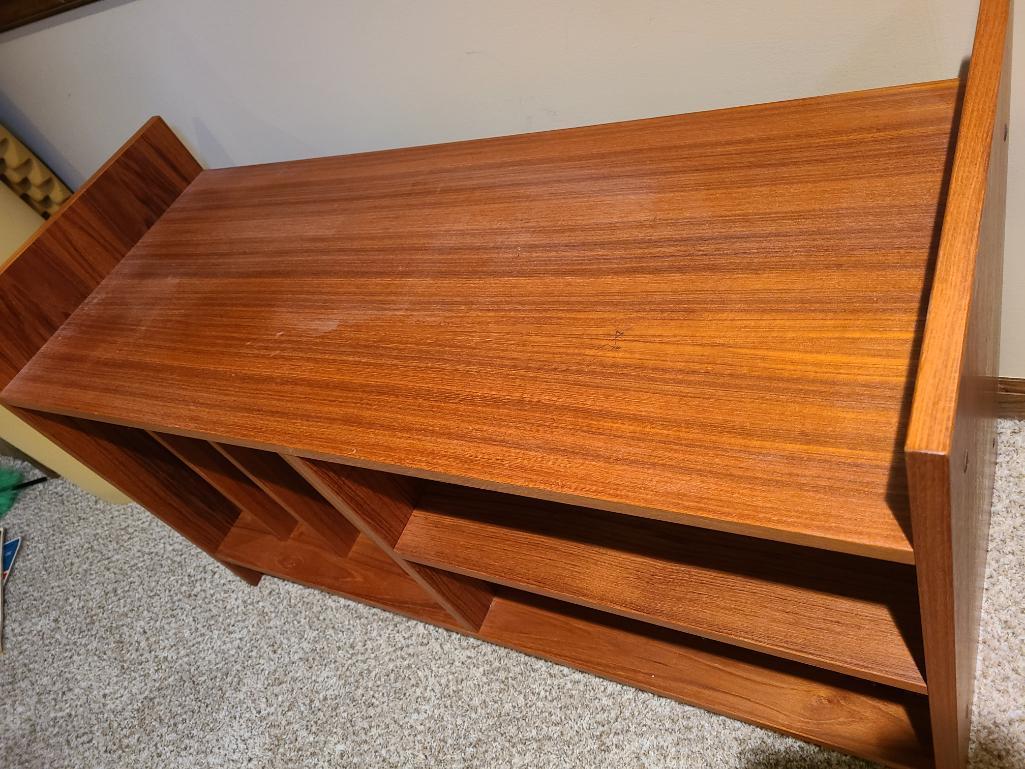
<point>128,648</point>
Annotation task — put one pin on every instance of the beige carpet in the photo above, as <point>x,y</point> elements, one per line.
<point>128,648</point>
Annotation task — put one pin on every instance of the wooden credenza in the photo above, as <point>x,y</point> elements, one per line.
<point>702,403</point>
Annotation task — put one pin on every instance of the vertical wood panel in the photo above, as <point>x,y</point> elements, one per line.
<point>277,478</point>
<point>216,470</point>
<point>136,464</point>
<point>951,445</point>
<point>53,273</point>
<point>364,574</point>
<point>379,504</point>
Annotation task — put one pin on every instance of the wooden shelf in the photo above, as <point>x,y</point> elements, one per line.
<point>379,504</point>
<point>868,720</point>
<point>845,613</point>
<point>881,723</point>
<point>366,574</point>
<point>567,315</point>
<point>215,469</point>
<point>283,484</point>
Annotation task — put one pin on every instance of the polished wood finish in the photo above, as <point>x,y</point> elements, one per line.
<point>886,725</point>
<point>74,250</point>
<point>140,467</point>
<point>1011,398</point>
<point>379,504</point>
<point>790,601</point>
<point>56,271</point>
<point>222,474</point>
<point>566,315</point>
<point>951,442</point>
<point>277,479</point>
<point>733,373</point>
<point>881,724</point>
<point>365,574</point>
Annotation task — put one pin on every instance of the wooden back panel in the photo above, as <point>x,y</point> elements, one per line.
<point>951,443</point>
<point>56,270</point>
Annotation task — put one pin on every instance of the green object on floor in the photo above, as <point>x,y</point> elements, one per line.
<point>9,487</point>
<point>10,484</point>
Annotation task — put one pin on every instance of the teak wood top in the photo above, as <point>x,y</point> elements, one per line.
<point>710,318</point>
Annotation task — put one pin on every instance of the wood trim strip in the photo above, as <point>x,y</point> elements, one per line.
<point>951,441</point>
<point>17,13</point>
<point>379,505</point>
<point>1010,398</point>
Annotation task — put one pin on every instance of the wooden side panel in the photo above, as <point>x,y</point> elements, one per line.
<point>379,505</point>
<point>54,273</point>
<point>951,446</point>
<point>277,479</point>
<point>871,721</point>
<point>216,470</point>
<point>144,470</point>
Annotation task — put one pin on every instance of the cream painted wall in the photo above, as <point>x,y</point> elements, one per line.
<point>256,81</point>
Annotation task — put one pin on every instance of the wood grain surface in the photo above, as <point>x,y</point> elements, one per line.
<point>877,722</point>
<point>951,443</point>
<point>871,721</point>
<point>219,472</point>
<point>379,504</point>
<point>569,315</point>
<point>144,470</point>
<point>277,478</point>
<point>849,614</point>
<point>1011,398</point>
<point>53,273</point>
<point>366,574</point>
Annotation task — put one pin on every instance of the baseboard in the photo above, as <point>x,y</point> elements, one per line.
<point>1011,398</point>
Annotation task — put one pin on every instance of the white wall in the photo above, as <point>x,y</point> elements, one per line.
<point>256,81</point>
